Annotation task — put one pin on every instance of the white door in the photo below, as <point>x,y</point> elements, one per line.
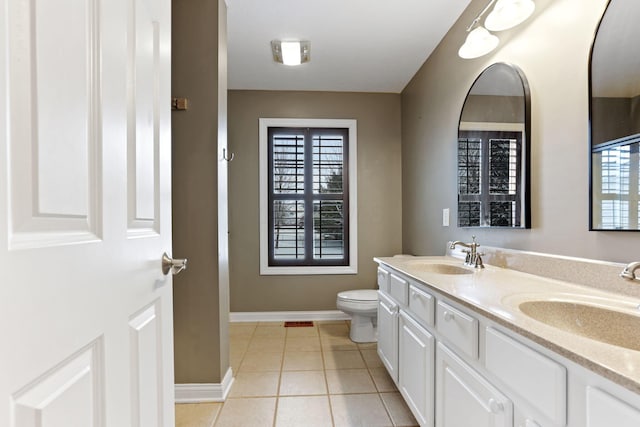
<point>85,312</point>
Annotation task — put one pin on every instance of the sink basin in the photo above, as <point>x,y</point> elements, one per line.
<point>439,268</point>
<point>597,323</point>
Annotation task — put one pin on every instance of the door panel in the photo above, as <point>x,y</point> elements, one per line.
<point>144,119</point>
<point>68,395</point>
<point>54,133</point>
<point>85,153</point>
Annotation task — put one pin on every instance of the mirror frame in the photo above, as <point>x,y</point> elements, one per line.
<point>525,178</point>
<point>591,167</point>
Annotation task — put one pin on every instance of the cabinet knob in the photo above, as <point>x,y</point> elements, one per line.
<point>495,406</point>
<point>448,316</point>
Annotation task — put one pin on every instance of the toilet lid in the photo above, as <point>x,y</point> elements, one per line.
<point>359,295</point>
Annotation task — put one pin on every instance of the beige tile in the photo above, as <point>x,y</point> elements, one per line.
<point>367,345</point>
<point>302,383</point>
<point>261,362</point>
<point>196,414</point>
<point>382,380</point>
<point>307,411</point>
<point>238,346</point>
<point>270,331</point>
<point>255,384</point>
<point>302,361</point>
<point>302,331</point>
<point>400,413</point>
<point>302,344</point>
<point>337,343</point>
<point>235,363</point>
<point>350,359</point>
<point>279,323</point>
<point>257,412</point>
<point>351,410</point>
<point>266,344</point>
<point>350,381</point>
<point>371,358</point>
<point>334,330</point>
<point>241,329</point>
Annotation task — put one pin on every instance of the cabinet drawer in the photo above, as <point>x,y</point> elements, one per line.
<point>399,289</point>
<point>421,305</point>
<point>383,280</point>
<point>538,379</point>
<point>458,328</point>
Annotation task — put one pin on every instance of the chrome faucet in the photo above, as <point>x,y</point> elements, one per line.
<point>473,257</point>
<point>629,271</point>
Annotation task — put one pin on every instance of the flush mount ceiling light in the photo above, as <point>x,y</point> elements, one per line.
<point>506,14</point>
<point>509,13</point>
<point>291,52</point>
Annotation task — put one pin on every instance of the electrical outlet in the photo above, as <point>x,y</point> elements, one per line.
<point>445,217</point>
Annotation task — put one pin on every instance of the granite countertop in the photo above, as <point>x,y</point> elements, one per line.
<point>496,293</point>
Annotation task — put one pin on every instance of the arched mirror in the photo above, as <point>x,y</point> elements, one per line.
<point>493,151</point>
<point>615,119</point>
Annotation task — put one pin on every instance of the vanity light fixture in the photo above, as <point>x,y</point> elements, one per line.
<point>479,42</point>
<point>509,13</point>
<point>506,14</point>
<point>291,52</point>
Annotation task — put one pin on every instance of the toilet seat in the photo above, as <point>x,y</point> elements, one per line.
<point>358,301</point>
<point>361,295</point>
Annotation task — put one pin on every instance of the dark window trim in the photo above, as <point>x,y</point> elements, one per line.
<point>308,197</point>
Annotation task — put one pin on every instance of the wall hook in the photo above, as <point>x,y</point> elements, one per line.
<point>227,157</point>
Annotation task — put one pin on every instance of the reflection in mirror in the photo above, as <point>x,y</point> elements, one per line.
<point>493,151</point>
<point>615,119</point>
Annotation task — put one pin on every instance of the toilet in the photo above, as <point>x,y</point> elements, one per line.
<point>362,306</point>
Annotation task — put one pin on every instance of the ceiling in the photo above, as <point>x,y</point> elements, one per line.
<point>356,45</point>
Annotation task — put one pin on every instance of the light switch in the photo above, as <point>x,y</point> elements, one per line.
<point>445,217</point>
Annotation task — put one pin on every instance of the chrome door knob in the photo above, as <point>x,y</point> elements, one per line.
<point>174,266</point>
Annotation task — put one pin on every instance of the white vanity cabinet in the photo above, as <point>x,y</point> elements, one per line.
<point>416,368</point>
<point>388,334</point>
<point>457,368</point>
<point>465,398</point>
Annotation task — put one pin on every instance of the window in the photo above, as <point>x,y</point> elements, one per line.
<point>308,196</point>
<point>617,189</point>
<point>489,178</point>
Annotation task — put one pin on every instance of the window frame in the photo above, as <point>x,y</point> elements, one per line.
<point>351,227</point>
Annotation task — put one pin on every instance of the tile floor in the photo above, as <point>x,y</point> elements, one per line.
<point>301,377</point>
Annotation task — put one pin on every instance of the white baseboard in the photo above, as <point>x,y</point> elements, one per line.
<point>196,393</point>
<point>280,316</point>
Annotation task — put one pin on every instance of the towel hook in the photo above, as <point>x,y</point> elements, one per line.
<point>225,157</point>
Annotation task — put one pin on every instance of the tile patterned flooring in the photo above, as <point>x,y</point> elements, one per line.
<point>301,377</point>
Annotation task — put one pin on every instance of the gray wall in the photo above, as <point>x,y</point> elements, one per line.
<point>200,297</point>
<point>379,194</point>
<point>552,49</point>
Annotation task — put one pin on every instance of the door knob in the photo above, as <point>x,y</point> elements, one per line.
<point>174,266</point>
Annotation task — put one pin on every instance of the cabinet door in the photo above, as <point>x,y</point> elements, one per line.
<point>388,334</point>
<point>464,398</point>
<point>416,368</point>
<point>604,410</point>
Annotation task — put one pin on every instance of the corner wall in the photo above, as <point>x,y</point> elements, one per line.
<point>379,195</point>
<point>200,292</point>
<point>552,49</point>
